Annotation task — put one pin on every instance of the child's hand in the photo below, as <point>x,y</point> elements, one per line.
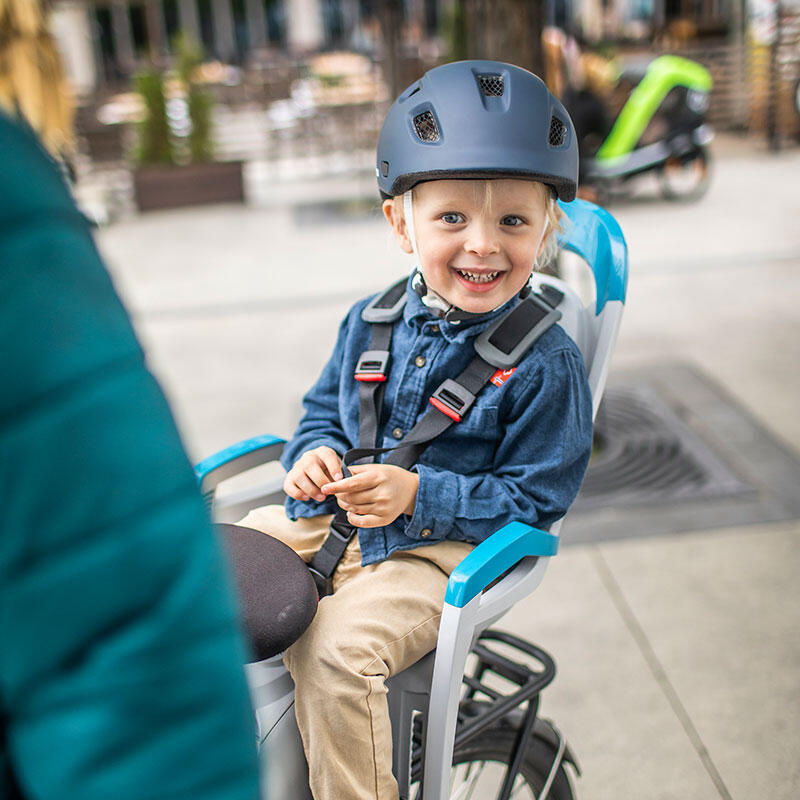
<point>313,470</point>
<point>376,494</point>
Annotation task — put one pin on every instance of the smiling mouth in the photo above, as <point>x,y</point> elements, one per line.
<point>478,277</point>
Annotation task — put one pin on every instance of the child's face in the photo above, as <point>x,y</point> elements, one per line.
<point>477,240</point>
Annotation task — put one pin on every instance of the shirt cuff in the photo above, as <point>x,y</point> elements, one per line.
<point>436,493</point>
<point>297,509</point>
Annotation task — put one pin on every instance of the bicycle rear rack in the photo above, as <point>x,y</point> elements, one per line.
<point>484,705</point>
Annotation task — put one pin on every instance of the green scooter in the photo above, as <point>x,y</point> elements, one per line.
<point>661,129</point>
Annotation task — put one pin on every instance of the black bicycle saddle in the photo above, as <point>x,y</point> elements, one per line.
<point>277,596</point>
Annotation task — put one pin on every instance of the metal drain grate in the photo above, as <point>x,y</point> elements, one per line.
<point>645,452</point>
<point>675,453</point>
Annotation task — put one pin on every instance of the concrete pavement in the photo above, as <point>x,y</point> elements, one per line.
<point>679,656</point>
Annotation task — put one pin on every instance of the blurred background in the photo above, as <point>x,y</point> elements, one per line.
<point>299,87</point>
<point>225,149</point>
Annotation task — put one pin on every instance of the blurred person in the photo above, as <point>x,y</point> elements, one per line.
<point>478,211</point>
<point>120,660</point>
<point>32,81</point>
<point>581,80</point>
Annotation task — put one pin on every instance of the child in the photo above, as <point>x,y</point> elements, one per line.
<point>469,161</point>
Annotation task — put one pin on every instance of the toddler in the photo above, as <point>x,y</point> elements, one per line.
<point>470,161</point>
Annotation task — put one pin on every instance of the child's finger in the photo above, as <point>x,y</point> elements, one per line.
<point>359,507</point>
<point>294,491</point>
<point>305,484</point>
<point>333,465</point>
<point>364,497</point>
<point>354,483</point>
<point>317,475</point>
<point>364,520</point>
<point>360,469</point>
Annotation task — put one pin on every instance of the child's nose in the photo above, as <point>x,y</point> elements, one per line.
<point>481,240</point>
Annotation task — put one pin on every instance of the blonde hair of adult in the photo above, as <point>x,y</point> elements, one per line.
<point>32,81</point>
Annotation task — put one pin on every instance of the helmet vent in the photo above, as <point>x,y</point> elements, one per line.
<point>426,127</point>
<point>558,132</point>
<point>491,85</point>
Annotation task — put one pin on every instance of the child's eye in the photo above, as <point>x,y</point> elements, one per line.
<point>512,220</point>
<point>452,218</point>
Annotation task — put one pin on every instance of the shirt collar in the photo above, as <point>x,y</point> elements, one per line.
<point>418,315</point>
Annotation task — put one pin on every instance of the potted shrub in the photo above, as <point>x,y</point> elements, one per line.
<point>175,160</point>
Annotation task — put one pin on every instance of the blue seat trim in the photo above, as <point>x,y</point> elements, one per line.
<point>242,448</point>
<point>597,238</point>
<point>492,557</point>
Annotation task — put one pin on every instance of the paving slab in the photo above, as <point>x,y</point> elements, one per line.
<point>605,700</point>
<point>718,618</point>
<point>677,662</point>
<point>218,260</point>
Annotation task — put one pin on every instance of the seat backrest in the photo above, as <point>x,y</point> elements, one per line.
<point>510,564</point>
<point>593,234</point>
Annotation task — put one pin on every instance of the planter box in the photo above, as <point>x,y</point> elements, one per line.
<point>193,184</point>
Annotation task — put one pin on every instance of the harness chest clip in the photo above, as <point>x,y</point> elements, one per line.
<point>372,366</point>
<point>452,399</point>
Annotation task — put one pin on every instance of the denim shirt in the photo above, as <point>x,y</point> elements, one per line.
<point>519,453</point>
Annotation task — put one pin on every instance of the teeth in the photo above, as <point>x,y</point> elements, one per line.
<point>476,277</point>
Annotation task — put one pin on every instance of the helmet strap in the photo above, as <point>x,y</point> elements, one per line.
<point>430,299</point>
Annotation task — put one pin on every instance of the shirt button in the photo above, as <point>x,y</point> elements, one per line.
<point>420,361</point>
<point>398,433</point>
<point>434,329</point>
<point>425,533</point>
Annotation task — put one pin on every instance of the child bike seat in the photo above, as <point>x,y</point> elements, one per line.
<point>275,618</point>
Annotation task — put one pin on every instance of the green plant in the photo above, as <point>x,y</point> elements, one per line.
<point>158,141</point>
<point>155,139</point>
<point>453,29</point>
<point>198,101</point>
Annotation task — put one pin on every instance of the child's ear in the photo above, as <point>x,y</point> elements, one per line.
<point>394,216</point>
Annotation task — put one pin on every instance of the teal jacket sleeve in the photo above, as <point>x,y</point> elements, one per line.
<point>120,659</point>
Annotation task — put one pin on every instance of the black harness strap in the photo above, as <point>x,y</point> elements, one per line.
<point>326,559</point>
<point>370,372</point>
<point>448,404</point>
<point>501,346</point>
<point>373,365</point>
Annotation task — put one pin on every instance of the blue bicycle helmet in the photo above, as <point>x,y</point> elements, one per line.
<point>477,119</point>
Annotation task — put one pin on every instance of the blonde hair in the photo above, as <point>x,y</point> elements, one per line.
<point>553,213</point>
<point>32,81</point>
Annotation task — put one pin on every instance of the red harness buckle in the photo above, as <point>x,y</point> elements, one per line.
<point>452,399</point>
<point>369,376</point>
<point>372,366</point>
<point>454,415</point>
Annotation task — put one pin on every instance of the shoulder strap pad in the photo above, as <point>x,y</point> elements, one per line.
<point>503,344</point>
<point>388,306</point>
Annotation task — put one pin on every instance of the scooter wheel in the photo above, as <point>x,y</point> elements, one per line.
<point>686,178</point>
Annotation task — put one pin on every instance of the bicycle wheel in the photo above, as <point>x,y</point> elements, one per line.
<point>479,767</point>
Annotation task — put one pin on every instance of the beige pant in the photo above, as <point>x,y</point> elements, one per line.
<point>380,619</point>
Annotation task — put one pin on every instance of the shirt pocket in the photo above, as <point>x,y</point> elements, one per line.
<point>468,446</point>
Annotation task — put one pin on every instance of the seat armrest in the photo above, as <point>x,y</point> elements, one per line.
<point>236,459</point>
<point>517,549</point>
<point>494,556</point>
